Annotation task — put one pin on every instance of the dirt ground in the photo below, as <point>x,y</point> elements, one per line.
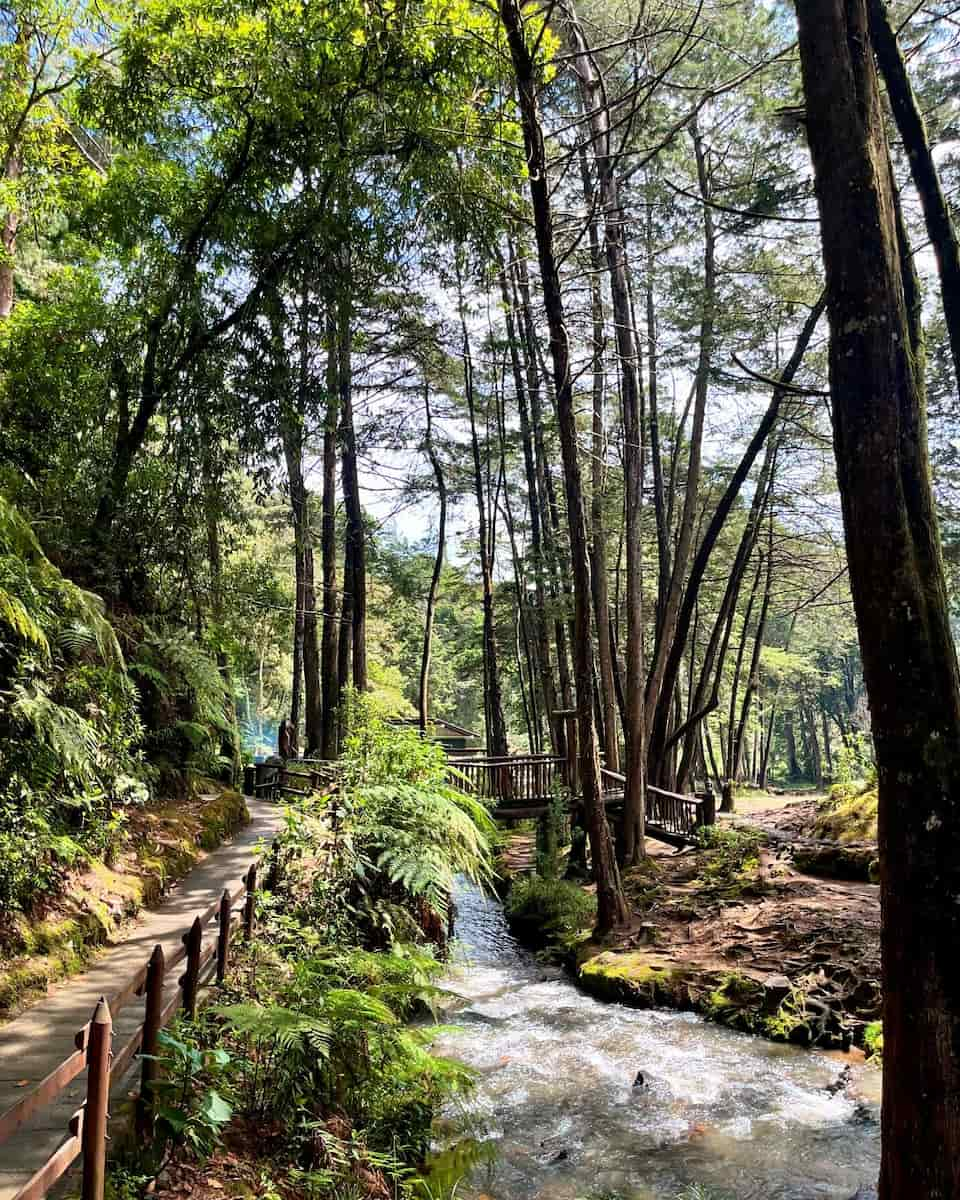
<point>811,940</point>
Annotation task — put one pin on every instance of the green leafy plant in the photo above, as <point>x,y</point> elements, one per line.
<point>549,912</point>
<point>191,1112</point>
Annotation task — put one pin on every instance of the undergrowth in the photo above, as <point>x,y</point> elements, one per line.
<point>309,1049</point>
<point>549,913</point>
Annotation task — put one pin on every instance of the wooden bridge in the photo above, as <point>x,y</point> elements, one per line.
<point>517,787</point>
<point>524,786</point>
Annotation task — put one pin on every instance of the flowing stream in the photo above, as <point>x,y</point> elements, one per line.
<point>556,1114</point>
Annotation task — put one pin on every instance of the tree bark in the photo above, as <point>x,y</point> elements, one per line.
<point>593,93</point>
<point>330,637</point>
<point>598,547</point>
<point>900,597</point>
<point>496,726</point>
<point>541,623</point>
<point>659,687</point>
<point>423,704</point>
<point>611,908</point>
<point>936,214</point>
<point>356,543</point>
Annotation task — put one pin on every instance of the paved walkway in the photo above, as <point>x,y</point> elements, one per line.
<point>37,1041</point>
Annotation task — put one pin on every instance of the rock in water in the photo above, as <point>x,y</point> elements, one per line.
<point>639,1081</point>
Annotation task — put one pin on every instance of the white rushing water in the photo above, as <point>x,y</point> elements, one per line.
<point>744,1118</point>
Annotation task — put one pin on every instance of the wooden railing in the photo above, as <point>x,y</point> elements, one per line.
<point>300,777</point>
<point>87,1128</point>
<point>519,779</point>
<point>678,814</point>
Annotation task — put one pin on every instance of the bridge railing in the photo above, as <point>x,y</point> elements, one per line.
<point>514,779</point>
<point>677,813</point>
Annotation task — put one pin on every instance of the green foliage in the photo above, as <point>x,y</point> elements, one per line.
<point>191,1112</point>
<point>188,713</point>
<point>549,912</point>
<point>395,840</point>
<point>873,1041</point>
<point>71,765</point>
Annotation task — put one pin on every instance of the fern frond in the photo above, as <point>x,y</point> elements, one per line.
<point>14,614</point>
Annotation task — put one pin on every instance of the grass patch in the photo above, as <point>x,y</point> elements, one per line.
<point>873,1042</point>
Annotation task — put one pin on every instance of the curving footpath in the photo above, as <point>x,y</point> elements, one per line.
<point>38,1040</point>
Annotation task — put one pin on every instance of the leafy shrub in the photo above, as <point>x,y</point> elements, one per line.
<point>187,710</point>
<point>379,861</point>
<point>191,1111</point>
<point>549,912</point>
<point>71,765</point>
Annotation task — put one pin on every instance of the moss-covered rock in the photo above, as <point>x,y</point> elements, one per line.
<point>771,1008</point>
<point>848,814</point>
<point>836,861</point>
<point>638,979</point>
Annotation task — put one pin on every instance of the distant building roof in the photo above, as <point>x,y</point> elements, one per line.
<point>439,725</point>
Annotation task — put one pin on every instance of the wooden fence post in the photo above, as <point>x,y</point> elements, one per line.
<point>709,807</point>
<point>94,1139</point>
<point>250,904</point>
<point>153,1010</point>
<point>223,935</point>
<point>190,981</point>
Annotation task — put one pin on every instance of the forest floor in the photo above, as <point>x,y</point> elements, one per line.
<point>738,932</point>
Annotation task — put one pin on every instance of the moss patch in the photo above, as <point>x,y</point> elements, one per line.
<point>638,979</point>
<point>848,814</point>
<point>731,998</point>
<point>163,845</point>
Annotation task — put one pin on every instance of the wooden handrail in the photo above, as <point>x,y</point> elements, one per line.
<point>39,1097</point>
<point>690,799</point>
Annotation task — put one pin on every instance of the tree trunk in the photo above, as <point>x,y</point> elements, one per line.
<point>598,547</point>
<point>330,638</point>
<point>658,731</point>
<point>611,908</point>
<point>936,215</point>
<point>541,621</point>
<point>593,95</point>
<point>659,687</point>
<point>356,551</point>
<point>735,742</point>
<point>230,746</point>
<point>753,678</point>
<point>423,698</point>
<point>496,726</point>
<point>900,597</point>
<point>312,701</point>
